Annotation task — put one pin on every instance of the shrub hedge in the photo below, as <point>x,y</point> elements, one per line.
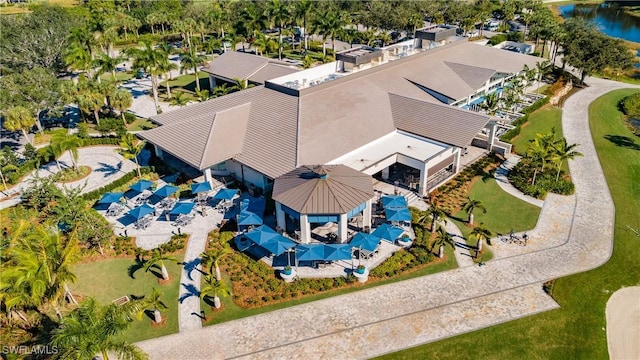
<point>507,136</point>
<point>97,193</point>
<point>521,177</point>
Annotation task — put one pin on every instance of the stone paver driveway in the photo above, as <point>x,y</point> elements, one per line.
<point>392,317</point>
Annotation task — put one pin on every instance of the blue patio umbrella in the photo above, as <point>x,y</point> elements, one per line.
<point>200,187</point>
<point>246,218</point>
<point>337,251</point>
<point>244,204</point>
<point>365,241</point>
<point>183,207</point>
<point>225,194</point>
<point>165,191</point>
<point>397,214</point>
<point>388,232</point>
<point>141,185</point>
<point>112,197</point>
<point>310,252</point>
<point>261,234</point>
<point>278,245</point>
<point>141,211</point>
<point>393,202</point>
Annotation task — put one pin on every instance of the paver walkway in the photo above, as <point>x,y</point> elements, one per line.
<point>503,182</point>
<point>105,163</point>
<point>392,317</point>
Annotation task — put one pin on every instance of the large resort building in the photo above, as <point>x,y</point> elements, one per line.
<point>378,111</point>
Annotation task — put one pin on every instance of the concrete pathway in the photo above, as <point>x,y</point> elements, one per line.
<point>392,317</point>
<point>503,181</point>
<point>105,163</point>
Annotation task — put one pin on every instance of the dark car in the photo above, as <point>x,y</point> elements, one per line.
<point>141,74</point>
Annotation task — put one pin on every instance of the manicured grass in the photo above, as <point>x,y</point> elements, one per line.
<point>504,212</point>
<point>230,311</point>
<point>541,121</point>
<point>576,330</point>
<point>108,280</point>
<point>141,124</point>
<point>187,82</point>
<point>121,76</point>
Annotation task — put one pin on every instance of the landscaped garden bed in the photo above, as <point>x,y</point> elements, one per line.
<point>256,287</point>
<point>70,174</point>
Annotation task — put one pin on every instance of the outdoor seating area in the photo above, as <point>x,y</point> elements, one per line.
<point>153,208</point>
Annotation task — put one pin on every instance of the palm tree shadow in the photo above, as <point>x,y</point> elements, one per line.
<point>208,300</point>
<point>109,169</point>
<point>623,141</point>
<point>486,176</point>
<point>191,291</point>
<point>191,266</point>
<point>131,270</point>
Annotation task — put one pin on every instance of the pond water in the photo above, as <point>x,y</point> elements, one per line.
<point>609,18</point>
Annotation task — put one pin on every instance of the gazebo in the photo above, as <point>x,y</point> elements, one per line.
<point>321,194</point>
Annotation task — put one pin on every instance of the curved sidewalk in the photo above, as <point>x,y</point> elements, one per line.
<point>392,317</point>
<point>503,181</point>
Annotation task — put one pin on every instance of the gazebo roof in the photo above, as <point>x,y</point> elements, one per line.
<point>323,189</point>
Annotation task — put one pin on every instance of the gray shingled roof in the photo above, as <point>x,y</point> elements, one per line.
<point>236,64</point>
<point>323,189</point>
<point>443,123</point>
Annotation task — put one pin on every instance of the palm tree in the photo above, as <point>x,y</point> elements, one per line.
<point>212,45</point>
<point>203,95</point>
<point>302,8</point>
<point>179,99</point>
<point>67,142</point>
<point>149,59</point>
<point>41,269</point>
<point>221,90</point>
<point>20,118</point>
<point>131,148</point>
<point>491,103</point>
<point>254,19</point>
<point>214,288</point>
<point>537,155</point>
<point>165,67</point>
<point>481,233</point>
<point>92,329</point>
<point>211,259</point>
<point>542,69</point>
<point>472,205</point>
<point>436,214</point>
<point>385,38</point>
<point>563,152</point>
<point>328,24</point>
<point>91,101</point>
<point>279,14</point>
<point>121,100</point>
<point>153,302</point>
<point>76,57</point>
<point>442,238</point>
<point>240,84</point>
<point>157,260</point>
<point>107,64</point>
<point>192,60</point>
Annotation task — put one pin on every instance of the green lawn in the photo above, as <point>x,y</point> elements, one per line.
<point>121,76</point>
<point>108,280</point>
<point>187,82</point>
<point>504,212</point>
<point>575,331</point>
<point>141,124</point>
<point>540,121</point>
<point>231,311</point>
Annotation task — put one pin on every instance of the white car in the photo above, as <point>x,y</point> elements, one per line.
<point>472,33</point>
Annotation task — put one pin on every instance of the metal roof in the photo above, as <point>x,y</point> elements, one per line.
<point>241,65</point>
<point>444,123</point>
<point>330,120</point>
<point>204,141</point>
<point>323,189</point>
